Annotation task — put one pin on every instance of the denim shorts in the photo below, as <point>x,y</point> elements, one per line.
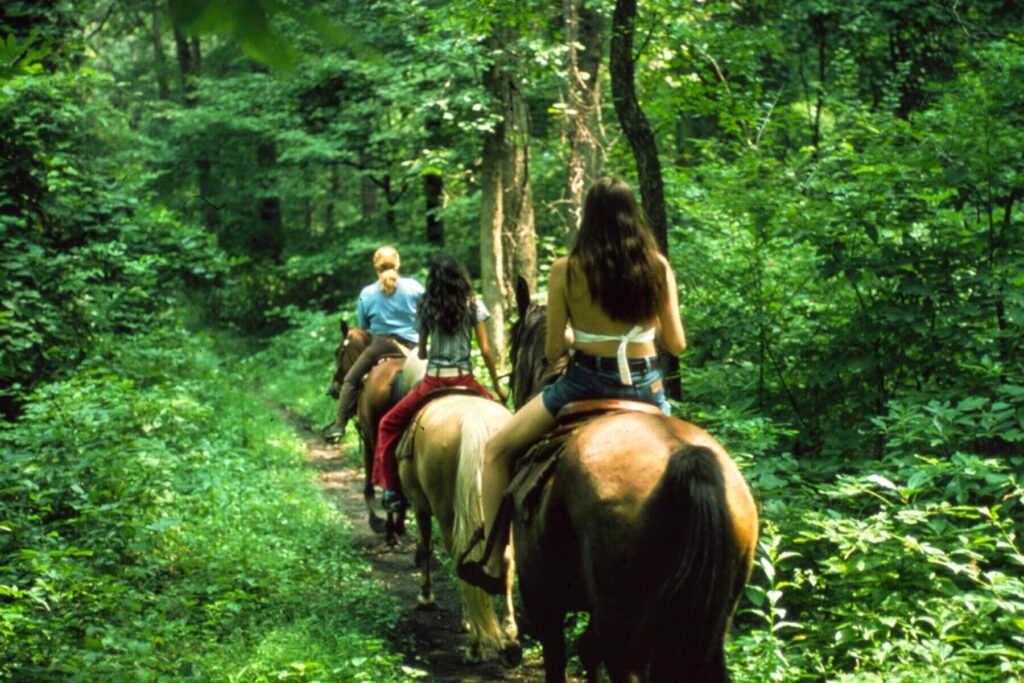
<point>579,383</point>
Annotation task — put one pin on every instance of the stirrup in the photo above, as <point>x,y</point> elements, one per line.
<point>477,536</point>
<point>472,572</point>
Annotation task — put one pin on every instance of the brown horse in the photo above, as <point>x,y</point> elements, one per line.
<point>376,397</point>
<point>442,480</point>
<point>646,524</point>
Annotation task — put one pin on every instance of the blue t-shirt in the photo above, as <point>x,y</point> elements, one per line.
<point>393,315</point>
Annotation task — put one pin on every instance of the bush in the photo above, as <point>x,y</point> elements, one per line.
<point>158,523</point>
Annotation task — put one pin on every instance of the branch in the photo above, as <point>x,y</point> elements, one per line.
<point>103,21</point>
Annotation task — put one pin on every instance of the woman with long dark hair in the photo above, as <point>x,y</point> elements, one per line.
<point>449,314</point>
<point>617,295</point>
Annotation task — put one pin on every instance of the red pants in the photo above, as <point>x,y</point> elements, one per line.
<point>393,424</point>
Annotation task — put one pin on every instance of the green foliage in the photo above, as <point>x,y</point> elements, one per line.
<point>904,565</point>
<point>844,186</point>
<point>85,253</point>
<point>152,512</point>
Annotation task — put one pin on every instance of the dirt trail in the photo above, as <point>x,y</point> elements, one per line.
<point>433,640</point>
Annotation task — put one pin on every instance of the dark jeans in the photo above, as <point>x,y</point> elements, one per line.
<point>380,346</point>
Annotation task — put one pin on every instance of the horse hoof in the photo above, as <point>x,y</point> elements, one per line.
<point>511,654</point>
<point>377,524</point>
<point>426,604</point>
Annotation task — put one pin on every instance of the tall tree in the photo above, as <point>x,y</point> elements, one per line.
<point>635,125</point>
<point>189,66</point>
<point>433,189</point>
<point>584,33</point>
<point>156,35</point>
<point>508,247</point>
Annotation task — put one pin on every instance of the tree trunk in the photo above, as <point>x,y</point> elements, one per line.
<point>492,271</point>
<point>159,57</point>
<point>634,124</point>
<point>641,138</point>
<point>269,239</point>
<point>433,188</point>
<point>433,191</point>
<point>332,197</point>
<point>368,193</point>
<point>508,230</point>
<point>189,62</point>
<point>583,29</point>
<point>519,228</point>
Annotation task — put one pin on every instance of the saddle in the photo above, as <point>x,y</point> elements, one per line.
<point>536,466</point>
<point>404,451</point>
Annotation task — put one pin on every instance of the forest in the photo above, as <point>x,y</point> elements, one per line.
<point>191,194</point>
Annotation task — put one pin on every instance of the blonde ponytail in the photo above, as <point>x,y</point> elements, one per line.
<point>388,281</point>
<point>386,260</point>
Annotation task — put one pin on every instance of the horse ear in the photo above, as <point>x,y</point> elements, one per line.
<point>343,327</point>
<point>522,296</point>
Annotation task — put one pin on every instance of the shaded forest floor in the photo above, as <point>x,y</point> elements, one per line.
<point>432,640</point>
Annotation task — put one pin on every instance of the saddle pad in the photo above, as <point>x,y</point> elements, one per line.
<point>537,466</point>
<point>404,451</point>
<point>533,471</point>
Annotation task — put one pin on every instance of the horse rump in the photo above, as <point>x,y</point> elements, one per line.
<point>691,528</point>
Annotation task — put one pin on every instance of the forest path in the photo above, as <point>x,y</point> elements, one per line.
<point>432,640</point>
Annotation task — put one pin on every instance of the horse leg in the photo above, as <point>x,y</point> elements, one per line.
<point>424,550</point>
<point>552,642</point>
<point>590,654</point>
<point>546,620</point>
<point>511,651</point>
<point>400,519</point>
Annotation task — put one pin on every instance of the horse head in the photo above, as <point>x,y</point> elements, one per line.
<point>531,371</point>
<point>353,341</point>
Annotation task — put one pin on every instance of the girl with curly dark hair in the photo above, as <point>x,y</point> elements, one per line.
<point>449,314</point>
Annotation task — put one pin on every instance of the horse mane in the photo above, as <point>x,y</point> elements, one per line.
<point>531,371</point>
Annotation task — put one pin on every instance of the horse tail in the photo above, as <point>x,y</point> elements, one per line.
<point>478,608</point>
<point>691,528</point>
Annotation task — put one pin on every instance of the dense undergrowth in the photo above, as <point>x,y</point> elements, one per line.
<point>159,523</point>
<point>903,568</point>
<point>906,568</point>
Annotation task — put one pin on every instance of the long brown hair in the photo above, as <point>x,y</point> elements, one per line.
<point>386,261</point>
<point>618,255</point>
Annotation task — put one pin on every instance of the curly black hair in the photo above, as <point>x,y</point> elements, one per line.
<point>447,299</point>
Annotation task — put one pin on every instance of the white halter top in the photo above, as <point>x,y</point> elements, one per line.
<point>636,334</point>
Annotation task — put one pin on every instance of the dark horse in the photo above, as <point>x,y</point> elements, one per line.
<point>376,397</point>
<point>646,524</point>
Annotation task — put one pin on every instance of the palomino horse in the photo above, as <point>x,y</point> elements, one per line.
<point>376,397</point>
<point>442,479</point>
<point>646,524</point>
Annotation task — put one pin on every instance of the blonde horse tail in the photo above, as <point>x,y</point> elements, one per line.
<point>477,428</point>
